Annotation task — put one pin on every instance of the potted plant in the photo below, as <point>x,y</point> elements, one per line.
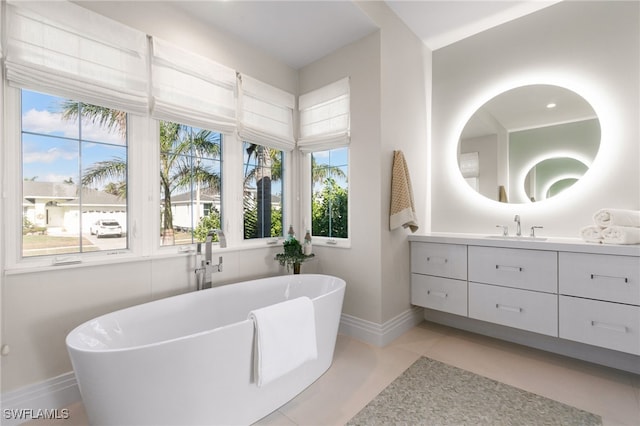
<point>293,255</point>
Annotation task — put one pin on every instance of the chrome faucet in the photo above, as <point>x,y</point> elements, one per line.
<point>203,273</point>
<point>518,228</point>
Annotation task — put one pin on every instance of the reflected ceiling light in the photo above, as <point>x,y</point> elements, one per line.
<point>551,105</point>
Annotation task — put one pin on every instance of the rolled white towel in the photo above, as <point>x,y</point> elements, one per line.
<point>621,235</point>
<point>591,234</point>
<point>618,217</point>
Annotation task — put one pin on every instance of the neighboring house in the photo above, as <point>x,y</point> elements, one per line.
<point>187,211</point>
<point>56,206</point>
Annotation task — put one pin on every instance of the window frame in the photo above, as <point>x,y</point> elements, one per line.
<point>223,137</point>
<point>143,189</point>
<point>12,214</point>
<point>306,199</point>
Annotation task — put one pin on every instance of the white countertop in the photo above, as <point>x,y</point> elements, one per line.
<point>542,243</point>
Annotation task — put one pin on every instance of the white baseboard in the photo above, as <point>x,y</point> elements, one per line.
<point>40,400</point>
<point>380,334</point>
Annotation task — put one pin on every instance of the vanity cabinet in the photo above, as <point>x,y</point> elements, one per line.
<point>514,287</point>
<point>600,300</point>
<point>523,309</point>
<point>535,270</point>
<point>439,277</point>
<point>573,293</point>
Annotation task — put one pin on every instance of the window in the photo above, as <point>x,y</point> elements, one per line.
<point>330,193</point>
<point>74,176</point>
<point>190,183</point>
<point>325,123</point>
<point>262,191</point>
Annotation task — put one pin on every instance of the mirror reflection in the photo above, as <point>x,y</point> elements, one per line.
<point>529,143</point>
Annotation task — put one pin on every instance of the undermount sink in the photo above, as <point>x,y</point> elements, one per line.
<point>516,238</point>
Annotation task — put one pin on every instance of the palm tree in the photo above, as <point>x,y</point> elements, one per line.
<point>175,172</point>
<point>268,168</point>
<point>320,173</point>
<point>177,147</point>
<point>108,118</point>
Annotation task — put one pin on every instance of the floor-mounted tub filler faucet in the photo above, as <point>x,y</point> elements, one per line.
<point>206,268</point>
<point>518,228</point>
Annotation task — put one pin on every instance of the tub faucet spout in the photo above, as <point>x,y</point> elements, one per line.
<point>207,247</point>
<point>206,267</point>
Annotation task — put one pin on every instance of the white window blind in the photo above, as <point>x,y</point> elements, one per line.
<point>191,89</point>
<point>325,117</point>
<point>265,114</point>
<point>62,48</point>
<point>469,164</point>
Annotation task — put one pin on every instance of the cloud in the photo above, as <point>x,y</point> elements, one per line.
<point>49,156</point>
<point>52,123</point>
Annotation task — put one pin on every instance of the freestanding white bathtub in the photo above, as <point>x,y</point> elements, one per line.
<point>188,359</point>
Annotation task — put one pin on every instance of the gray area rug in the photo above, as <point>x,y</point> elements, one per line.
<point>432,393</point>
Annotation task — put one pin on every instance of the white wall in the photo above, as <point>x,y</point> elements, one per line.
<point>358,265</point>
<point>388,107</point>
<point>592,48</point>
<point>405,94</point>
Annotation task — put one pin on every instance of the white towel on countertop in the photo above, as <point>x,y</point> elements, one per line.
<point>285,338</point>
<point>610,217</point>
<point>621,235</point>
<point>591,233</point>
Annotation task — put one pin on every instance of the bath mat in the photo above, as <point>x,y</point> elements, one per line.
<point>432,393</point>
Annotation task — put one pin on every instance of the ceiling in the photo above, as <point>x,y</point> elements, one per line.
<point>302,31</point>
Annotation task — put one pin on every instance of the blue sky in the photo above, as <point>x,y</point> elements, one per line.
<point>51,149</point>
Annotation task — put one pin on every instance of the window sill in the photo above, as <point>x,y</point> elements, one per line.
<point>40,265</point>
<point>331,242</point>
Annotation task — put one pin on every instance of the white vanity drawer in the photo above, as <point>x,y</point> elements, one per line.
<point>598,276</point>
<point>442,294</point>
<point>442,260</point>
<point>519,268</point>
<point>605,324</point>
<point>527,310</point>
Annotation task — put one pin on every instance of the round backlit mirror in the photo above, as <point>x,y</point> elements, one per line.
<point>529,143</point>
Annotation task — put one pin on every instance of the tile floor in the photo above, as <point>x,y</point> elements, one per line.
<point>360,371</point>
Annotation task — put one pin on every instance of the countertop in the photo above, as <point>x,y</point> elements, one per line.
<point>542,243</point>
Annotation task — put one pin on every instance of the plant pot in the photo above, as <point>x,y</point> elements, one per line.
<point>296,268</point>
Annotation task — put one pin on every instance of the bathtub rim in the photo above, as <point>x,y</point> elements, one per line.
<point>341,285</point>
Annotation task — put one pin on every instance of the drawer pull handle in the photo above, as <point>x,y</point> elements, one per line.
<point>510,268</point>
<point>437,293</point>
<point>508,308</point>
<point>437,259</point>
<point>596,276</point>
<point>612,327</point>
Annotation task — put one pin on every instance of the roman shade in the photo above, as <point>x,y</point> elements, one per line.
<point>325,117</point>
<point>67,50</point>
<point>265,114</point>
<point>191,89</point>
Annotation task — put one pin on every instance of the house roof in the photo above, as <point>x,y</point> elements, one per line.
<point>206,195</point>
<point>68,194</point>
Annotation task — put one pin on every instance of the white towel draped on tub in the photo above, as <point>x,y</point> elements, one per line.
<point>403,211</point>
<point>620,217</point>
<point>621,235</point>
<point>285,338</point>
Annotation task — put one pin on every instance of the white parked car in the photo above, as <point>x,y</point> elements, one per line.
<point>104,227</point>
